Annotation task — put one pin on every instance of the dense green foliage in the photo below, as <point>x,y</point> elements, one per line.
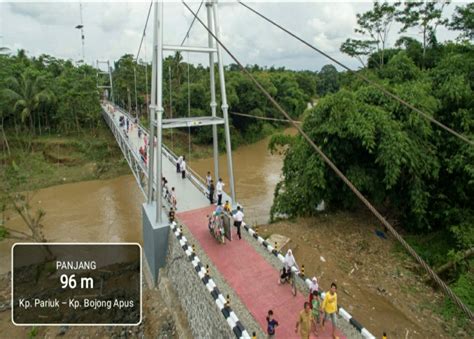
<point>191,95</point>
<point>47,94</point>
<point>414,172</point>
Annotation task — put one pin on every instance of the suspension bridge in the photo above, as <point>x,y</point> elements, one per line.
<point>150,160</point>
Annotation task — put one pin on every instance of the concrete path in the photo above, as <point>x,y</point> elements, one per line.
<point>250,275</point>
<point>187,194</point>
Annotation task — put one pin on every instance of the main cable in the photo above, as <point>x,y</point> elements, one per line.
<point>360,76</point>
<point>186,36</point>
<point>144,30</point>
<point>328,161</point>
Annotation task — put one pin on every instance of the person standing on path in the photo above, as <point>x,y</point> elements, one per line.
<point>178,164</point>
<point>227,207</point>
<point>208,179</point>
<point>316,306</point>
<point>183,168</point>
<point>305,320</point>
<point>219,187</point>
<point>173,198</point>
<point>313,288</point>
<point>329,307</point>
<point>211,191</point>
<point>271,325</point>
<point>238,218</point>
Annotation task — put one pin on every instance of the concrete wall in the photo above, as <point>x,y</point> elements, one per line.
<point>204,317</point>
<point>155,239</point>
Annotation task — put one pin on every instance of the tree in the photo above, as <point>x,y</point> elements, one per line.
<point>463,20</point>
<point>427,16</point>
<point>358,49</point>
<point>124,79</point>
<point>375,24</point>
<point>328,80</point>
<point>27,94</point>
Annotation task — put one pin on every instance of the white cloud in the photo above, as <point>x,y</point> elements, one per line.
<point>113,29</point>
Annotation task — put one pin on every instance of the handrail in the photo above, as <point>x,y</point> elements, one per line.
<point>193,176</point>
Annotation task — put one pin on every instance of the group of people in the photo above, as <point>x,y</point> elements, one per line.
<point>169,195</point>
<point>128,126</point>
<point>217,189</point>
<point>316,312</point>
<point>217,217</point>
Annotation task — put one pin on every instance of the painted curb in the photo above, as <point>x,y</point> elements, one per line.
<point>229,315</point>
<point>342,312</point>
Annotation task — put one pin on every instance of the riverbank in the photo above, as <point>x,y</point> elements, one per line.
<point>42,161</point>
<point>377,283</point>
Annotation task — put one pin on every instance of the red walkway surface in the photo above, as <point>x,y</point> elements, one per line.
<point>253,279</point>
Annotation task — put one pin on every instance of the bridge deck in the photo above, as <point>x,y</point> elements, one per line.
<point>252,277</point>
<point>188,195</point>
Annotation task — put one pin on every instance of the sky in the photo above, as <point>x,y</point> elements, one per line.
<point>113,29</point>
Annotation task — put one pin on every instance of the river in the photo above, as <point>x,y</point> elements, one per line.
<point>109,210</point>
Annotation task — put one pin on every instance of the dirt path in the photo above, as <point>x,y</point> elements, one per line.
<point>376,283</point>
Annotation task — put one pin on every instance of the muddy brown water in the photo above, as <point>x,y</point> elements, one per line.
<point>256,173</point>
<point>90,211</point>
<point>109,210</point>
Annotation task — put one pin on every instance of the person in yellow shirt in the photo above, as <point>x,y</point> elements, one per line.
<point>305,320</point>
<point>329,307</point>
<point>227,207</point>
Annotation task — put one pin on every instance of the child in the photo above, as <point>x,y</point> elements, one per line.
<point>272,324</point>
<point>171,215</point>
<point>227,207</point>
<point>316,304</point>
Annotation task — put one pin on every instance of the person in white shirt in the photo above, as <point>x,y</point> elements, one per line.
<point>173,198</point>
<point>208,179</point>
<point>238,218</point>
<point>183,168</point>
<point>219,188</point>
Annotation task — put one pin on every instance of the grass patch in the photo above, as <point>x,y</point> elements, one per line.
<point>433,247</point>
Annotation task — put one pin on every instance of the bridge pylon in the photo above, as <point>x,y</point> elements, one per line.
<point>105,83</point>
<point>158,123</point>
<point>155,222</point>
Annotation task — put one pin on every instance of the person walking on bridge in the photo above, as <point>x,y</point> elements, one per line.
<point>220,186</point>
<point>174,202</point>
<point>313,288</point>
<point>238,218</point>
<point>271,325</point>
<point>178,164</point>
<point>208,179</point>
<point>329,307</point>
<point>305,321</point>
<point>183,168</point>
<point>211,191</point>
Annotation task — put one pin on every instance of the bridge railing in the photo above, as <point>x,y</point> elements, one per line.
<point>191,174</point>
<point>132,157</point>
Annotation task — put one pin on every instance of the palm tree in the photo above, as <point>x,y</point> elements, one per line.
<point>27,94</point>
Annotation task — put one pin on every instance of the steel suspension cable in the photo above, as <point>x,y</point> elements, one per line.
<point>361,76</point>
<point>144,30</point>
<point>189,112</point>
<point>263,118</point>
<point>328,161</point>
<point>186,36</point>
